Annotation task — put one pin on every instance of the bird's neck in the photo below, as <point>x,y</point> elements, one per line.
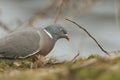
<point>51,35</point>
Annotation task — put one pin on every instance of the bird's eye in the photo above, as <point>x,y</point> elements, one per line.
<point>63,31</point>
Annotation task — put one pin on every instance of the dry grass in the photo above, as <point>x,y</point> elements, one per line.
<point>92,68</point>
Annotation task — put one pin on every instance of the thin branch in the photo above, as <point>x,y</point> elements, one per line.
<point>90,36</point>
<point>59,10</point>
<point>76,56</point>
<point>117,12</point>
<point>5,27</point>
<point>42,13</point>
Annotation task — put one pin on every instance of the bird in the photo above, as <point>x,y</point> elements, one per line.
<point>30,41</point>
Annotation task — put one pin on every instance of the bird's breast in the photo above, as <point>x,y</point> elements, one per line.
<point>46,44</point>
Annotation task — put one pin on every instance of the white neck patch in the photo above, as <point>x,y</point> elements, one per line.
<point>48,34</point>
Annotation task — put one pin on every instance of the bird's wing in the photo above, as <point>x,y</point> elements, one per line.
<point>20,44</point>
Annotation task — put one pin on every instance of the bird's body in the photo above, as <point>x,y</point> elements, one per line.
<point>27,42</point>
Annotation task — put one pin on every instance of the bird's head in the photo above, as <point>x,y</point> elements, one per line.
<point>57,32</point>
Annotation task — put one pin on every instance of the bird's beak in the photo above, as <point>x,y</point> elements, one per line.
<point>67,37</point>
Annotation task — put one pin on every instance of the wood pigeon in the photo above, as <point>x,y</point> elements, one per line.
<point>30,41</point>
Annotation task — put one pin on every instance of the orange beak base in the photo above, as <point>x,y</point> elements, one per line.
<point>67,37</point>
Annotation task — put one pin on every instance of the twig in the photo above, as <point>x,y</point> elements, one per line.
<point>76,56</point>
<point>90,36</point>
<point>5,27</point>
<point>117,12</point>
<point>42,13</point>
<point>59,10</point>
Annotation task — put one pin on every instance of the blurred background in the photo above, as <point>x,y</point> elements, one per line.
<point>100,17</point>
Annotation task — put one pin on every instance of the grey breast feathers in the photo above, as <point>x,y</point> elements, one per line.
<point>20,44</point>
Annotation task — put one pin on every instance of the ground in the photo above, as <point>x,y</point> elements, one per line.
<point>91,68</point>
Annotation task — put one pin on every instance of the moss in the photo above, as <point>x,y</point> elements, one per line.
<point>101,68</point>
